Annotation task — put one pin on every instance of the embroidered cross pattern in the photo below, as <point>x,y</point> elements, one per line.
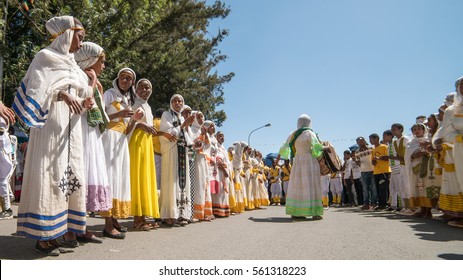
<point>182,203</point>
<point>69,183</point>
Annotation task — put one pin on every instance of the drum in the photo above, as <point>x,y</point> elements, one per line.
<point>329,160</point>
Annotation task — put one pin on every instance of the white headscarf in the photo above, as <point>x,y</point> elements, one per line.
<point>195,126</point>
<point>459,96</point>
<point>195,122</point>
<point>207,124</point>
<point>126,69</point>
<point>123,98</point>
<point>62,30</point>
<point>304,121</point>
<point>172,98</point>
<point>142,103</point>
<point>237,158</point>
<point>88,55</point>
<point>449,98</point>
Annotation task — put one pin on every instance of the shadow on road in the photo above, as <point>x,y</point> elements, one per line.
<point>451,256</point>
<point>279,220</point>
<point>14,247</point>
<point>427,229</point>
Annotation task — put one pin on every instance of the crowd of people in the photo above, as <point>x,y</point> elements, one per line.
<point>100,151</point>
<point>413,174</point>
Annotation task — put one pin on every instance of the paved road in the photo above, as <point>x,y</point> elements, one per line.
<point>268,234</point>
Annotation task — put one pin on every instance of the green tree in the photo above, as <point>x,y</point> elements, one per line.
<point>165,41</point>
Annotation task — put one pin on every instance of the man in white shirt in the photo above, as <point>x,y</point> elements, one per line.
<point>363,159</point>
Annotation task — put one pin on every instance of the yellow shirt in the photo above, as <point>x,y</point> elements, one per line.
<point>382,166</point>
<point>156,141</point>
<point>287,172</point>
<point>274,174</point>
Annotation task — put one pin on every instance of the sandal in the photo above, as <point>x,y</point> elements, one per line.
<point>50,250</point>
<point>85,239</point>
<point>58,246</point>
<point>183,222</point>
<point>141,226</point>
<point>151,225</point>
<point>117,226</point>
<point>69,243</point>
<point>171,223</point>
<point>315,218</point>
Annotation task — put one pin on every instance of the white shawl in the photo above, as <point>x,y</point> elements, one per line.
<point>52,69</point>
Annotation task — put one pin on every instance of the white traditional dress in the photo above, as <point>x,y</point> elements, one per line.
<point>117,153</point>
<point>451,196</point>
<point>247,168</point>
<point>231,184</point>
<point>418,180</point>
<point>202,182</point>
<point>304,196</point>
<point>175,201</point>
<point>254,180</point>
<point>219,193</point>
<point>240,190</point>
<point>98,197</point>
<point>261,194</point>
<point>53,192</point>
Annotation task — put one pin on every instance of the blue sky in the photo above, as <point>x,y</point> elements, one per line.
<point>355,67</point>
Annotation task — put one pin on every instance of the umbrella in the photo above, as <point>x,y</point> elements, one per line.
<point>272,155</point>
<point>354,147</point>
<point>268,160</point>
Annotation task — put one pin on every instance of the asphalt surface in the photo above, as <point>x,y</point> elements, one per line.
<point>266,234</point>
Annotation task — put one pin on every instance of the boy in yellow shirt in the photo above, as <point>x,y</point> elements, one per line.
<point>381,170</point>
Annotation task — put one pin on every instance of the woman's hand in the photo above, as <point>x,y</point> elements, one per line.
<point>125,113</point>
<point>169,136</point>
<point>138,115</point>
<point>6,113</point>
<point>88,103</point>
<point>71,101</point>
<point>198,145</point>
<point>188,121</point>
<point>147,128</point>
